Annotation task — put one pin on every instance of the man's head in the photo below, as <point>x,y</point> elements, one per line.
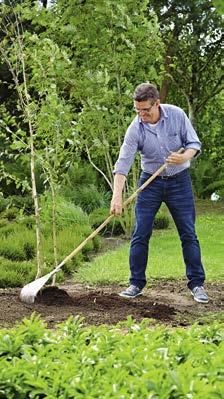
<point>146,102</point>
<point>146,91</point>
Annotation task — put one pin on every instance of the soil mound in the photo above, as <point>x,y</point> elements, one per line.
<point>54,296</point>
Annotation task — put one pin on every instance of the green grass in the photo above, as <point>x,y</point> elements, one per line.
<point>165,256</point>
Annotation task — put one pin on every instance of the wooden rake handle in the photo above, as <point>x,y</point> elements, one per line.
<point>125,204</point>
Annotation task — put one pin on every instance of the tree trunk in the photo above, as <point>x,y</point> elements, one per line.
<point>191,114</point>
<point>44,2</point>
<point>36,204</point>
<point>54,227</point>
<point>167,80</point>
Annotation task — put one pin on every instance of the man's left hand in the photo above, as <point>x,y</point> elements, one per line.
<point>175,159</point>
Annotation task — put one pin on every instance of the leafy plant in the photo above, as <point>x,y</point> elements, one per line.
<point>74,360</point>
<point>206,178</point>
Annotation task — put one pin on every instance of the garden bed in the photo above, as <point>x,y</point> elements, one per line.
<point>165,301</point>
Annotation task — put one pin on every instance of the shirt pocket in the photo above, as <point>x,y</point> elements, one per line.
<point>174,141</point>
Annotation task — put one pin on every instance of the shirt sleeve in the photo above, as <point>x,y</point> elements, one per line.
<point>127,151</point>
<point>190,137</point>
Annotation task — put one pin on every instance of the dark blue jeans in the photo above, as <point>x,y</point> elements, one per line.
<point>177,194</point>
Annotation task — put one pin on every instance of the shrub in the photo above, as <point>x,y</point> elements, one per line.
<point>162,219</point>
<point>18,242</point>
<point>27,221</point>
<point>124,224</point>
<point>9,228</point>
<point>206,178</point>
<point>161,222</point>
<point>10,213</point>
<point>88,197</point>
<point>4,203</point>
<point>22,202</point>
<point>68,239</point>
<point>99,215</point>
<point>3,223</point>
<point>16,274</point>
<point>67,213</point>
<point>17,201</point>
<point>19,246</point>
<point>81,174</point>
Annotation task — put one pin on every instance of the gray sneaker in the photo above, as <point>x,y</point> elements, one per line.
<point>200,295</point>
<point>131,292</point>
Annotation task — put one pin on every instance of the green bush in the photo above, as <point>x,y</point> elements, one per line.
<point>4,203</point>
<point>3,223</point>
<point>162,219</point>
<point>9,228</point>
<point>27,221</point>
<point>81,174</point>
<point>161,222</point>
<point>18,241</point>
<point>99,215</point>
<point>124,224</point>
<point>18,244</point>
<point>16,274</point>
<point>206,177</point>
<point>67,214</point>
<point>88,197</point>
<point>69,239</point>
<point>130,360</point>
<point>17,201</point>
<point>10,213</point>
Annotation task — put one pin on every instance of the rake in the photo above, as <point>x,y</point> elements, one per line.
<point>29,291</point>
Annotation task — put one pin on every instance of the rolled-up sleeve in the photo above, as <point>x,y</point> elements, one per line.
<point>127,151</point>
<point>190,137</point>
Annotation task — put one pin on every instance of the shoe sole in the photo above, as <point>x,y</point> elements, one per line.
<point>129,296</point>
<point>198,300</point>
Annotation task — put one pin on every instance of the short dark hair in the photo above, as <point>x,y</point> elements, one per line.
<point>146,91</point>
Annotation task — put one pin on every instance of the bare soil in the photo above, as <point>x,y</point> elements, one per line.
<point>166,301</point>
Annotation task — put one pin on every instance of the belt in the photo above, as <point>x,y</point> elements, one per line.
<point>169,177</point>
<point>172,176</point>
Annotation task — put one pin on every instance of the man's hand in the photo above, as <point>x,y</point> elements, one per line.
<point>116,205</point>
<point>176,159</point>
<point>116,202</point>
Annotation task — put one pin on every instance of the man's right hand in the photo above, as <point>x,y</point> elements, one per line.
<point>116,206</point>
<point>116,202</point>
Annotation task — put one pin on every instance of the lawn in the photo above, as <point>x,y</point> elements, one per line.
<point>165,256</point>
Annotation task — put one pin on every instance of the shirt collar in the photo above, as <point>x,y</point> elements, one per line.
<point>163,111</point>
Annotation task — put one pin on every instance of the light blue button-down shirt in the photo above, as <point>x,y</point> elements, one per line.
<point>171,132</point>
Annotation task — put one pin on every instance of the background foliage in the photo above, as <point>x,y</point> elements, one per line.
<point>78,62</point>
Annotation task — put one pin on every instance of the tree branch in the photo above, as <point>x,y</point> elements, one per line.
<point>99,170</point>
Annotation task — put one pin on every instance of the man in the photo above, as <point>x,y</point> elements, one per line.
<point>159,131</point>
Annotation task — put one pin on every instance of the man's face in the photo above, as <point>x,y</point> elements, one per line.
<point>148,110</point>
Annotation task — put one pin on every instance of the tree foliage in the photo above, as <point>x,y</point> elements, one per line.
<point>192,32</point>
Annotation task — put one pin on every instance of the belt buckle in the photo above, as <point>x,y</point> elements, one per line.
<point>165,177</point>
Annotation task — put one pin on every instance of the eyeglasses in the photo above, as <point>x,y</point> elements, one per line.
<point>146,110</point>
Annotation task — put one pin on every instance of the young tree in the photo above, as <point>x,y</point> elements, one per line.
<point>38,68</point>
<point>12,51</point>
<point>113,48</point>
